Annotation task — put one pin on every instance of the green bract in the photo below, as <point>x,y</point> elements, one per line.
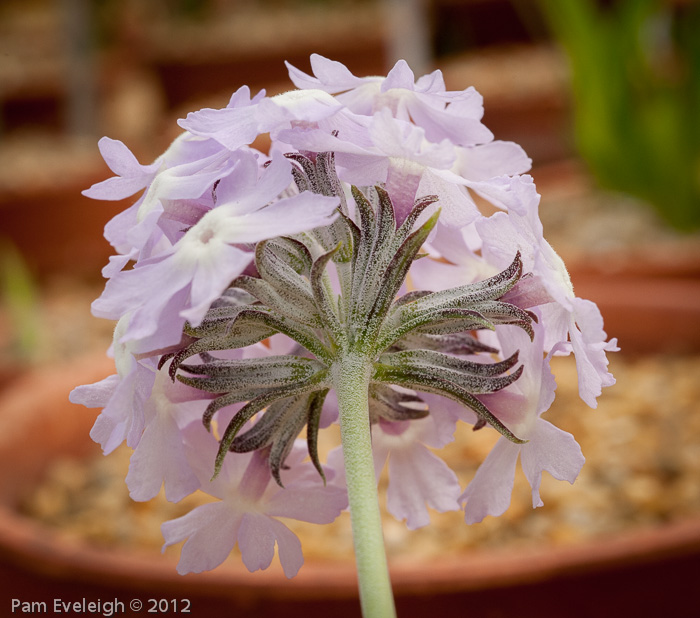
<point>407,340</point>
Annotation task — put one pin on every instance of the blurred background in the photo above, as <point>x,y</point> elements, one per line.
<point>608,87</point>
<point>604,95</point>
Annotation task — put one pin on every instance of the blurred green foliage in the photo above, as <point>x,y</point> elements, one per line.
<point>636,84</point>
<point>18,302</point>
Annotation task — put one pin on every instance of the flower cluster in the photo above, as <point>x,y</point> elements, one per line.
<point>246,283</point>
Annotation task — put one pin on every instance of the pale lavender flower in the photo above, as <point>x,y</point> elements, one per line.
<point>491,160</point>
<point>566,317</point>
<point>417,477</point>
<point>234,126</point>
<point>159,458</point>
<point>248,507</point>
<point>122,396</point>
<point>181,283</point>
<point>186,181</point>
<point>520,407</point>
<point>239,125</point>
<point>185,170</point>
<point>424,102</point>
<point>387,150</point>
<point>131,176</point>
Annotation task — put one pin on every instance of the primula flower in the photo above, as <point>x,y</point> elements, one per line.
<point>395,154</point>
<point>182,282</point>
<point>185,170</point>
<point>159,458</point>
<point>240,124</point>
<point>520,407</point>
<point>121,396</point>
<point>491,160</point>
<point>248,507</point>
<point>423,102</point>
<point>130,177</point>
<point>417,477</point>
<point>186,181</point>
<point>567,317</point>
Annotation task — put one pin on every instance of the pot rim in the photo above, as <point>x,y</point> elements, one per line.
<point>39,549</point>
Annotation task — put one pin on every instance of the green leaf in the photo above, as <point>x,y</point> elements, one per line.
<point>239,334</point>
<point>430,358</point>
<point>279,426</point>
<point>287,291</point>
<point>469,296</point>
<point>252,374</point>
<point>449,343</point>
<point>312,428</point>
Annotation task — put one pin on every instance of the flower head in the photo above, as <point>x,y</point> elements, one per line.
<point>369,323</point>
<point>346,276</point>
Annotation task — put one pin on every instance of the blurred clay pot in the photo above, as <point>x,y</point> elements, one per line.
<point>650,301</point>
<point>646,572</point>
<point>60,232</point>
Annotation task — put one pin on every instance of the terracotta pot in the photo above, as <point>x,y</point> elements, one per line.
<point>59,231</point>
<point>641,573</point>
<point>650,301</point>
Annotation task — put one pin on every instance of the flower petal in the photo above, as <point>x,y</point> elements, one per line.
<point>489,491</point>
<point>418,477</point>
<point>553,450</point>
<point>211,531</point>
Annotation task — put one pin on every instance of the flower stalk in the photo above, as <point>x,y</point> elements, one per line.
<point>351,378</point>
